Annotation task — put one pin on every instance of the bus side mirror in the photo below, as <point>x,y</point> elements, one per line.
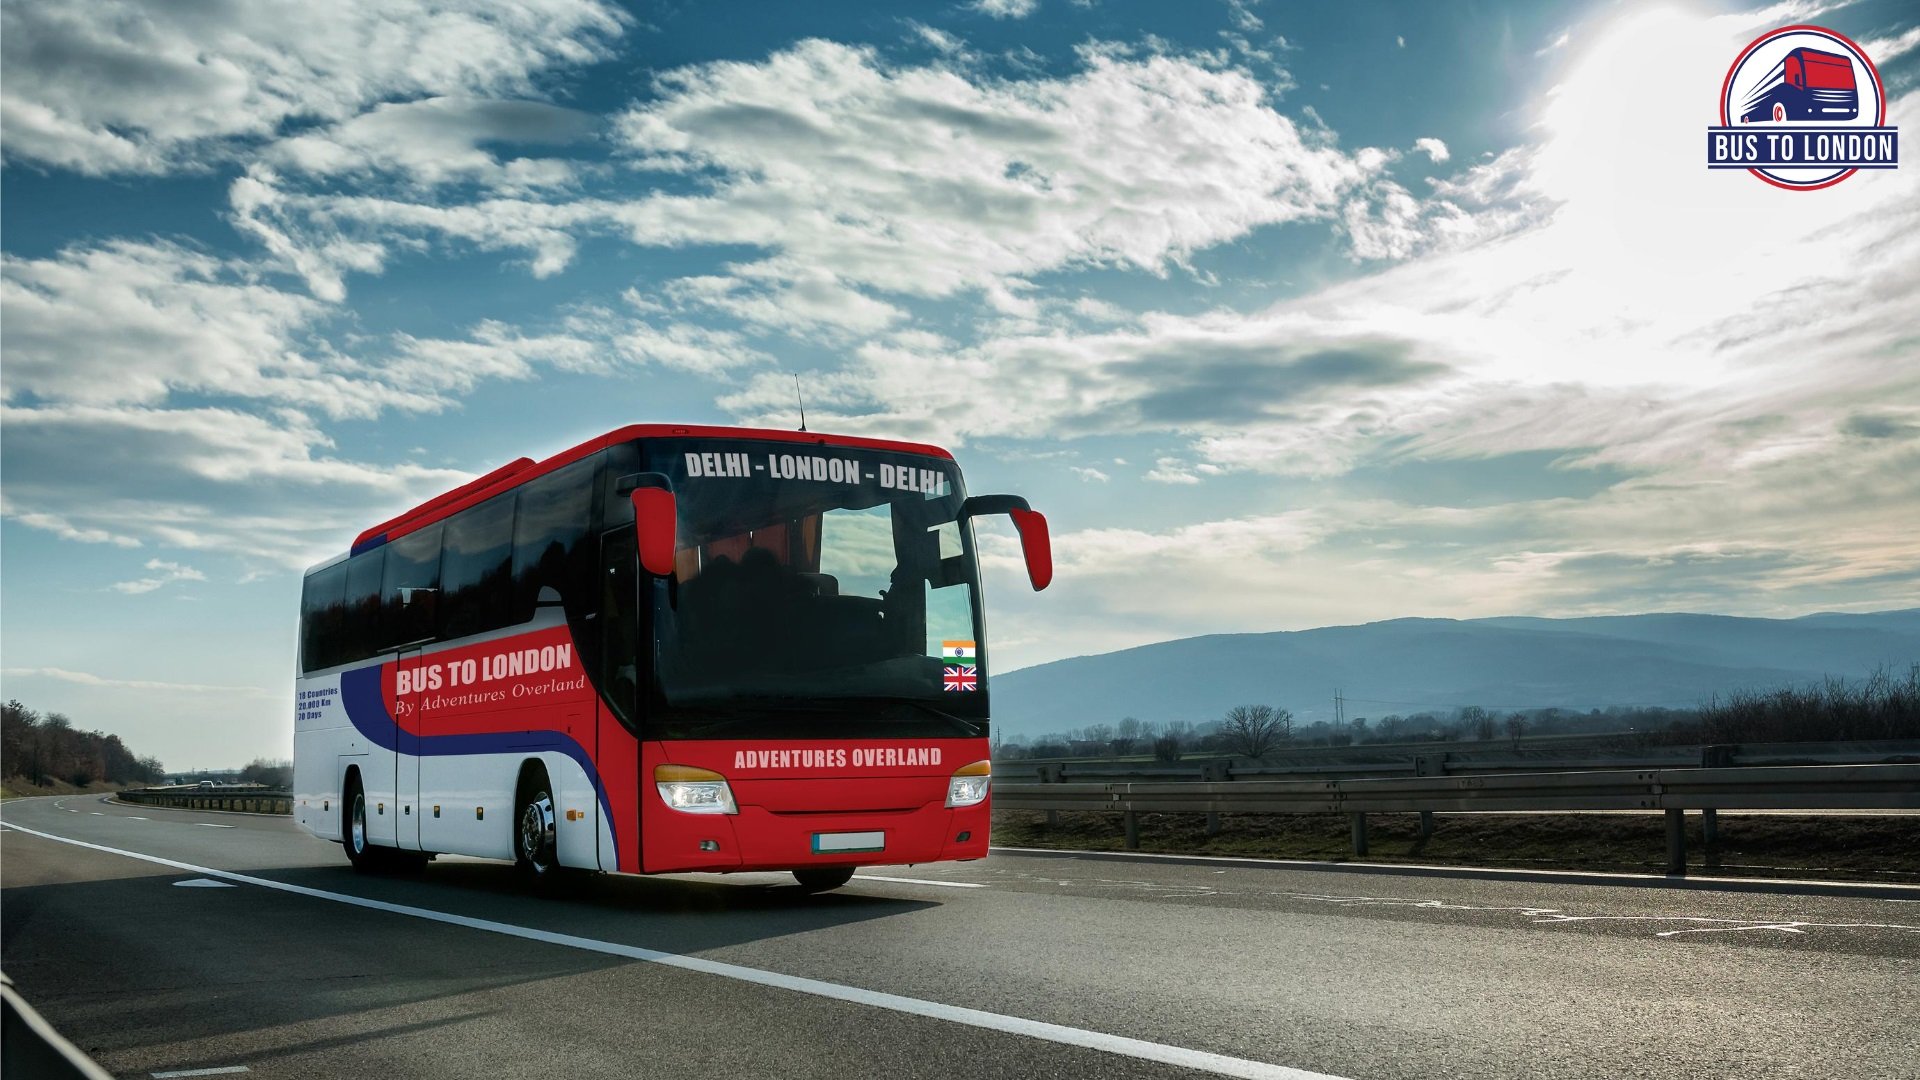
<point>1035,542</point>
<point>1037,545</point>
<point>655,523</point>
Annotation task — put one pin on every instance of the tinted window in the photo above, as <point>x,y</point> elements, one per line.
<point>323,615</point>
<point>549,537</point>
<point>411,588</point>
<point>476,567</point>
<point>363,637</point>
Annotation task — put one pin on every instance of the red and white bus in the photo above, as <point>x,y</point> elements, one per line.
<point>667,649</point>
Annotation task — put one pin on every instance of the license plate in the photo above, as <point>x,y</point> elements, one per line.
<point>825,842</point>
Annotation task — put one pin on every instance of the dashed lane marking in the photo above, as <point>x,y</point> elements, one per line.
<point>921,881</point>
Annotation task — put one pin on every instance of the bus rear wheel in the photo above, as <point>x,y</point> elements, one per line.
<point>353,827</point>
<point>824,878</point>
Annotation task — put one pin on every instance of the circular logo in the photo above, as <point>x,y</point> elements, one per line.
<point>1804,80</point>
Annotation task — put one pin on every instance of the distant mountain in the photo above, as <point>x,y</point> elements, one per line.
<point>1409,665</point>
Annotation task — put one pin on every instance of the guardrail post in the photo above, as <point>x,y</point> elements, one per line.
<point>1426,824</point>
<point>1215,772</point>
<point>1710,829</point>
<point>1677,843</point>
<point>1052,774</point>
<point>1359,833</point>
<point>1133,830</point>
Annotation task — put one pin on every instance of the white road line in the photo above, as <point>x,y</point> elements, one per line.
<point>920,881</point>
<point>130,817</point>
<point>223,1070</point>
<point>204,883</point>
<point>211,825</point>
<point>1181,1056</point>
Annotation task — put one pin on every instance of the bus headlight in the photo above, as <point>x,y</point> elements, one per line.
<point>969,784</point>
<point>694,791</point>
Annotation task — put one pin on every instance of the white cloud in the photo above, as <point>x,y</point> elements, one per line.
<point>65,529</point>
<point>441,140</point>
<point>84,678</point>
<point>111,86</point>
<point>267,488</point>
<point>1089,474</point>
<point>1433,148</point>
<point>1168,470</point>
<point>1005,9</point>
<point>165,573</point>
<point>856,177</point>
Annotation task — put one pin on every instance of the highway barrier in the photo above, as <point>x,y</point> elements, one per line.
<point>1454,759</point>
<point>1674,791</point>
<point>245,800</point>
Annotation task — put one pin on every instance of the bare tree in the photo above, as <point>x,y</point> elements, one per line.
<point>1252,730</point>
<point>1516,727</point>
<point>1477,720</point>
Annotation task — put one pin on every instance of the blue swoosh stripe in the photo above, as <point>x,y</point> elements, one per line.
<point>361,694</point>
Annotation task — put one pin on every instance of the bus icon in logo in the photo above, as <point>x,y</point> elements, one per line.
<point>1806,84</point>
<point>1802,108</point>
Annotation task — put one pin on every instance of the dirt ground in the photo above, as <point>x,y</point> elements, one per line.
<point>17,787</point>
<point>1815,846</point>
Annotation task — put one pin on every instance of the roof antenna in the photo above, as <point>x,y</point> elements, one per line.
<point>801,400</point>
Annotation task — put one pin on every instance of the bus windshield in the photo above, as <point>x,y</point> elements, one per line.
<point>816,588</point>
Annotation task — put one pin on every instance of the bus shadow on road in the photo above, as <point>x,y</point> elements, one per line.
<point>668,913</point>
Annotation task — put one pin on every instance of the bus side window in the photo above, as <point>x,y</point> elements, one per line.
<point>411,589</point>
<point>549,537</point>
<point>323,615</point>
<point>362,637</point>
<point>476,569</point>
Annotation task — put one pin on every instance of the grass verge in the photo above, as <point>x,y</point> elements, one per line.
<point>1881,849</point>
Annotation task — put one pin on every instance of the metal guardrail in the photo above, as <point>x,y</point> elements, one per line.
<point>1792,787</point>
<point>1456,759</point>
<point>231,800</point>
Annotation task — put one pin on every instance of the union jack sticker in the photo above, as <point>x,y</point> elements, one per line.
<point>961,678</point>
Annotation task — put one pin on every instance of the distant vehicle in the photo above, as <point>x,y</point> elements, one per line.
<point>1806,84</point>
<point>667,649</point>
<point>206,785</point>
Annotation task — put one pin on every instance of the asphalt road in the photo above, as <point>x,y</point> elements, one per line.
<point>285,962</point>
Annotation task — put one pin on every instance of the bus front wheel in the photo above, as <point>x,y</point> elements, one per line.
<point>824,878</point>
<point>534,835</point>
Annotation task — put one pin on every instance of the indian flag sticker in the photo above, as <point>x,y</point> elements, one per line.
<point>957,652</point>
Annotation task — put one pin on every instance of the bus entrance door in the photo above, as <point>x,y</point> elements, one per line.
<point>406,766</point>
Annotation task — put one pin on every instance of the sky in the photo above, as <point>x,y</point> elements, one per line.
<point>1285,316</point>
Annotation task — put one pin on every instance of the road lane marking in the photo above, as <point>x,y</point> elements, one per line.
<point>921,881</point>
<point>224,1070</point>
<point>1163,1053</point>
<point>130,817</point>
<point>211,825</point>
<point>204,883</point>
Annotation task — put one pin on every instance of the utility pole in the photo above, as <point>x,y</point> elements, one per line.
<point>1339,711</point>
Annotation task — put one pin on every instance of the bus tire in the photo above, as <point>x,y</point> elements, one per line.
<point>821,879</point>
<point>353,827</point>
<point>535,837</point>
